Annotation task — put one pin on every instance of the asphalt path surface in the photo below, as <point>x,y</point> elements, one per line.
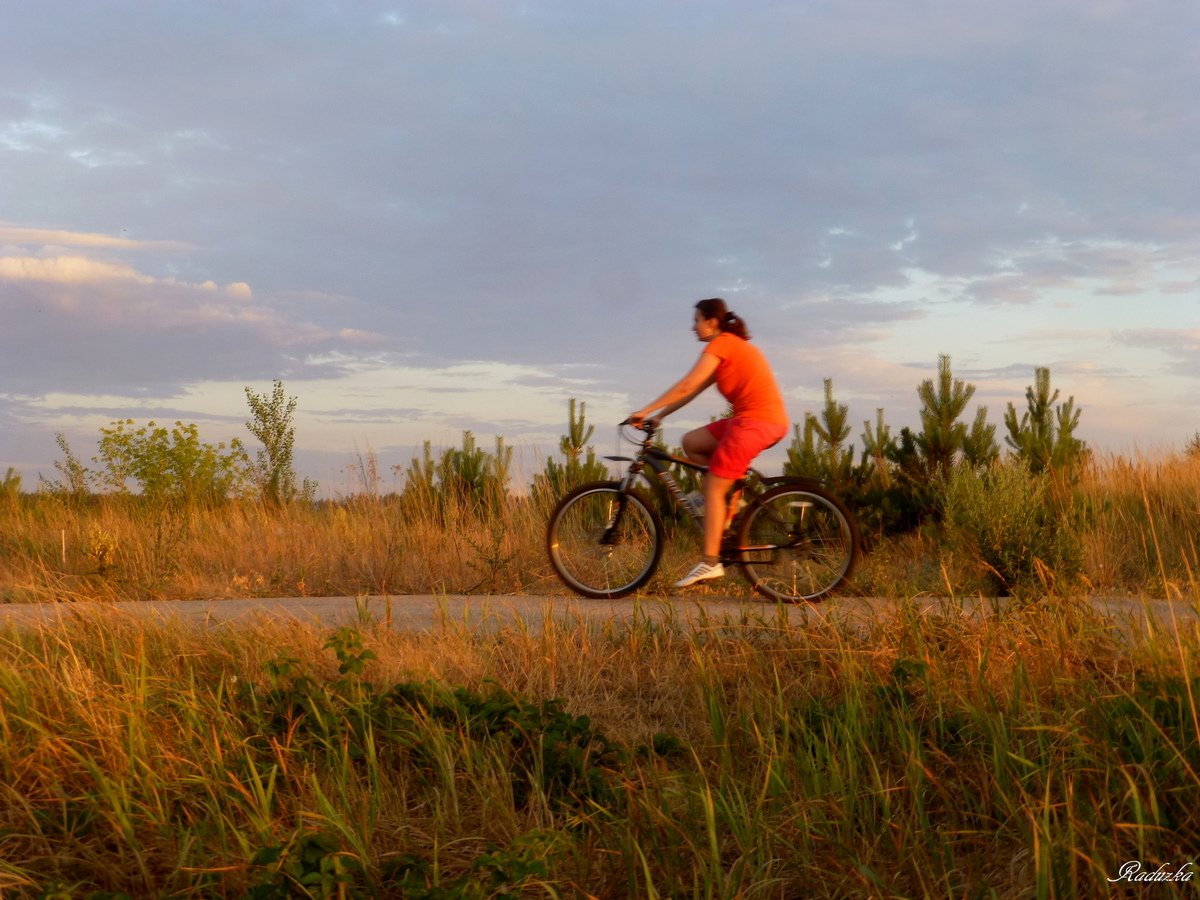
<point>429,612</point>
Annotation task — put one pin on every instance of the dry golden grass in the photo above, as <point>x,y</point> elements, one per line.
<point>1135,523</point>
<point>1142,519</point>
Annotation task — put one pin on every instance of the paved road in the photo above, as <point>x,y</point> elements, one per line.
<point>431,612</point>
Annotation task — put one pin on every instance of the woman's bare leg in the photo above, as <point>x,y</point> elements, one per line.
<point>715,489</point>
<point>698,445</point>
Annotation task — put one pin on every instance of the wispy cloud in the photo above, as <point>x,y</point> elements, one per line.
<point>1181,345</point>
<point>19,236</point>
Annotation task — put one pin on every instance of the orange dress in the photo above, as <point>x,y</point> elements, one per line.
<point>745,379</point>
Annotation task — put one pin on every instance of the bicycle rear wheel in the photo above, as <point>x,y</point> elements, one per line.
<point>604,543</point>
<point>798,542</point>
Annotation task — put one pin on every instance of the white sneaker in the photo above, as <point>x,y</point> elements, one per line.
<point>702,571</point>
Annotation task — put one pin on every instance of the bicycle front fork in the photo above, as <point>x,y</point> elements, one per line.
<point>612,532</point>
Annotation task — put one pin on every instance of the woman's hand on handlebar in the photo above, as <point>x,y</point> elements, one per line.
<point>646,423</point>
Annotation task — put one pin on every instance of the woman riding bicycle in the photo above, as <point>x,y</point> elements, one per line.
<point>726,446</point>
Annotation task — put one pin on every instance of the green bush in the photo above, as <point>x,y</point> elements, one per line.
<point>169,464</point>
<point>1007,517</point>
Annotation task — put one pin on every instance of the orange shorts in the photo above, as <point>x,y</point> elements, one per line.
<point>739,440</point>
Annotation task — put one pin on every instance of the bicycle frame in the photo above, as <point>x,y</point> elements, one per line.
<point>668,491</point>
<point>661,480</point>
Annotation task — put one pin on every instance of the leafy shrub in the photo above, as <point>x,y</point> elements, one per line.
<point>101,548</point>
<point>273,470</point>
<point>555,753</point>
<point>311,864</point>
<point>1006,516</point>
<point>501,873</point>
<point>169,464</point>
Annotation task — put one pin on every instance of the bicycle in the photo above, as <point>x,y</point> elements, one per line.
<point>793,539</point>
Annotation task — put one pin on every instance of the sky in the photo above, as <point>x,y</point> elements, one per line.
<point>431,217</point>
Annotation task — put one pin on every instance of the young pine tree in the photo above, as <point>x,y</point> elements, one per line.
<point>822,451</point>
<point>462,472</point>
<point>581,464</point>
<point>942,402</point>
<point>921,461</point>
<point>574,442</point>
<point>979,447</point>
<point>419,494</point>
<point>10,487</point>
<point>1044,436</point>
<point>877,443</point>
<point>497,475</point>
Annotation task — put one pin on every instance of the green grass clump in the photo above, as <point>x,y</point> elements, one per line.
<point>933,753</point>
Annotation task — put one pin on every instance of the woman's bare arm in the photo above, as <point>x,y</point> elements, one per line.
<point>702,374</point>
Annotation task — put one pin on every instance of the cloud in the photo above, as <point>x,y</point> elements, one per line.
<point>358,336</point>
<point>105,324</point>
<point>67,270</point>
<point>16,235</point>
<point>116,294</point>
<point>1181,345</point>
<point>1050,268</point>
<point>546,185</point>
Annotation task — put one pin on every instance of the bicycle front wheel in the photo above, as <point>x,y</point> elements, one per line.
<point>798,543</point>
<point>603,542</point>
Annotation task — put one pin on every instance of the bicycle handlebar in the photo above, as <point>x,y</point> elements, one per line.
<point>646,426</point>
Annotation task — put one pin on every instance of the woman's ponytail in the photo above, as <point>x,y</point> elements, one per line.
<point>727,320</point>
